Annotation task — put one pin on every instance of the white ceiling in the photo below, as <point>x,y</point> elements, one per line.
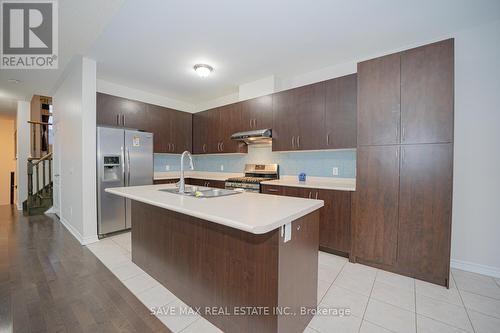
<point>152,45</point>
<point>80,22</point>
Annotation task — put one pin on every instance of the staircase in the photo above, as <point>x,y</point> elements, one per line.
<point>39,194</point>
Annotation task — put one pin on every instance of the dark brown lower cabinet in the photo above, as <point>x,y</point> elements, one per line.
<point>335,216</point>
<point>335,221</point>
<point>375,204</point>
<point>425,199</point>
<point>164,181</point>
<point>205,182</point>
<point>402,210</point>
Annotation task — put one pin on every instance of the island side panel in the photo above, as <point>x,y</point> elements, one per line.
<point>209,265</point>
<point>298,273</point>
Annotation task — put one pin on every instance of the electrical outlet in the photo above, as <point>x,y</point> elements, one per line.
<point>335,171</point>
<point>167,167</point>
<point>222,167</point>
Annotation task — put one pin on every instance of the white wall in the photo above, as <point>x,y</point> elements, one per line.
<point>264,86</point>
<point>23,150</point>
<point>8,164</point>
<point>476,198</point>
<point>143,96</point>
<point>74,114</point>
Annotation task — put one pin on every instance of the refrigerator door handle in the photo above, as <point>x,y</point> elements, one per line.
<point>128,167</point>
<point>123,164</point>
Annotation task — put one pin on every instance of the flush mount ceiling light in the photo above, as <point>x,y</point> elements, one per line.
<point>203,70</point>
<point>15,81</point>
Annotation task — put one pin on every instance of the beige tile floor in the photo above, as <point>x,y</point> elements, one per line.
<point>379,301</point>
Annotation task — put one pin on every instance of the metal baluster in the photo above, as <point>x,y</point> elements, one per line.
<point>30,184</point>
<point>37,170</point>
<point>50,171</point>
<point>43,177</point>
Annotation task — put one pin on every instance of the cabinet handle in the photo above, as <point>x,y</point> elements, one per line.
<point>298,141</point>
<point>403,134</point>
<point>402,156</point>
<point>218,146</point>
<point>222,146</point>
<point>293,142</point>
<point>123,120</point>
<point>328,139</point>
<point>251,126</point>
<point>310,195</point>
<point>204,148</point>
<point>118,119</point>
<point>255,123</point>
<point>316,197</point>
<point>173,147</point>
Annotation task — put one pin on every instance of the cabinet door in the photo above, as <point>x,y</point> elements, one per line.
<point>427,86</point>
<point>108,110</point>
<point>425,211</point>
<point>375,204</point>
<point>310,105</point>
<point>256,113</point>
<point>272,189</point>
<point>134,115</point>
<point>181,131</point>
<point>201,123</point>
<point>229,122</point>
<point>335,220</point>
<point>379,101</point>
<point>340,112</point>
<point>298,192</point>
<point>285,121</point>
<point>160,123</point>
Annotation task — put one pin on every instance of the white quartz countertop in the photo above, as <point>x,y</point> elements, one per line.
<point>251,212</point>
<point>326,183</point>
<point>196,174</point>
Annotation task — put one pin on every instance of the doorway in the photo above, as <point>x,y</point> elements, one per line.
<point>8,156</point>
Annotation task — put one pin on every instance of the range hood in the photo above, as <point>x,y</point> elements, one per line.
<point>254,137</point>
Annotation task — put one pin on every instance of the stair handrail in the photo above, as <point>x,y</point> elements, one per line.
<point>41,159</point>
<point>35,198</point>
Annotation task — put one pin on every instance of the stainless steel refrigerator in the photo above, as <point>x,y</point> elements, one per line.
<point>124,158</point>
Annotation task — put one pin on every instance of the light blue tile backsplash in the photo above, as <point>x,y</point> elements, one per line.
<point>313,163</point>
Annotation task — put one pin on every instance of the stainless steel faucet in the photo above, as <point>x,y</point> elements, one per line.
<point>182,184</point>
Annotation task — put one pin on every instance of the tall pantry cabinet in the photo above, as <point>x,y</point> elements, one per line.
<point>401,210</point>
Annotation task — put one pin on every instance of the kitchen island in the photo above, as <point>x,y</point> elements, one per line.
<point>247,262</point>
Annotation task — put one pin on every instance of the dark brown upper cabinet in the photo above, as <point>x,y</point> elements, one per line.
<point>256,113</point>
<point>340,112</point>
<point>379,113</point>
<point>375,204</point>
<point>172,129</point>
<point>427,93</point>
<point>121,112</point>
<point>298,118</point>
<point>425,202</point>
<point>229,122</point>
<point>213,129</point>
<point>201,131</point>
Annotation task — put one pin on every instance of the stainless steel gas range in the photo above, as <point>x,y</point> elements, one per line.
<point>254,175</point>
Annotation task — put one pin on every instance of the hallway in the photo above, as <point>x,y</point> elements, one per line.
<point>50,283</point>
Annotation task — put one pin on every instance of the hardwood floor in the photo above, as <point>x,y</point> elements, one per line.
<point>50,283</point>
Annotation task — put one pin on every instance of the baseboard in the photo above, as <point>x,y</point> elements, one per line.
<point>82,240</point>
<point>475,268</point>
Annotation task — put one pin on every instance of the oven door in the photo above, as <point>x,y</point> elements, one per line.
<point>242,187</point>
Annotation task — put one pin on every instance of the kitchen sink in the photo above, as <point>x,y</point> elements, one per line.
<point>204,192</point>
